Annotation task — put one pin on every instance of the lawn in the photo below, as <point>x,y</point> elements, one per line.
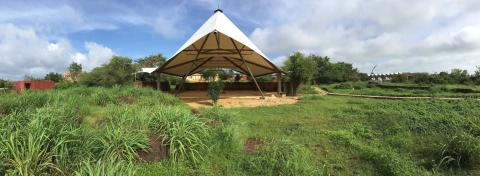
<point>128,131</point>
<point>405,90</point>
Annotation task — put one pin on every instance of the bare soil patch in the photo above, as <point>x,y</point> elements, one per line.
<point>252,144</point>
<point>229,99</point>
<point>157,151</point>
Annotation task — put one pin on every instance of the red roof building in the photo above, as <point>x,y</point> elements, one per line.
<point>21,86</point>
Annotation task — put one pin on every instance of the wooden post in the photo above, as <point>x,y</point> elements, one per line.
<point>158,80</point>
<point>279,83</point>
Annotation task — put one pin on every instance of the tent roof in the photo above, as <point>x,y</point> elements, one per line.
<point>218,43</point>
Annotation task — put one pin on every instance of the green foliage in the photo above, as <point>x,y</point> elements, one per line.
<point>106,167</point>
<point>151,61</point>
<point>225,74</point>
<point>281,157</point>
<point>119,71</point>
<point>215,88</point>
<point>55,77</point>
<point>181,131</point>
<point>5,83</point>
<point>300,70</point>
<point>328,72</point>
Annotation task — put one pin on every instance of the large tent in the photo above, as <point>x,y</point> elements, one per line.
<point>218,43</point>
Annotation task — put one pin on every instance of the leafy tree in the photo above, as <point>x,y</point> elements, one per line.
<point>75,70</point>
<point>5,83</point>
<point>215,88</point>
<point>208,74</point>
<point>328,72</point>
<point>119,71</point>
<point>459,76</point>
<point>152,61</point>
<point>55,77</point>
<point>476,76</point>
<point>300,70</point>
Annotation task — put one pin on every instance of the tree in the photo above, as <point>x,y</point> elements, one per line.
<point>476,76</point>
<point>55,77</point>
<point>225,74</point>
<point>328,72</point>
<point>75,70</point>
<point>300,70</point>
<point>119,71</point>
<point>152,61</point>
<point>459,76</point>
<point>208,74</point>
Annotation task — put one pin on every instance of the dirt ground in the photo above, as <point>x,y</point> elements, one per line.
<point>197,99</point>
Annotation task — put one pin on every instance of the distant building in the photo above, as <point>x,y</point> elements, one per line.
<point>21,86</point>
<point>70,77</point>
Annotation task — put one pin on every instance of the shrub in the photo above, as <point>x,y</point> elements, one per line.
<point>215,88</point>
<point>281,157</point>
<point>185,134</point>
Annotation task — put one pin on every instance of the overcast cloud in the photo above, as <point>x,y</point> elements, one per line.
<point>396,35</point>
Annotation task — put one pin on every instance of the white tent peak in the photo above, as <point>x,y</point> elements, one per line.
<point>218,43</point>
<point>219,22</point>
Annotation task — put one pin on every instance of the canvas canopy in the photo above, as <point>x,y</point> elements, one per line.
<point>218,43</point>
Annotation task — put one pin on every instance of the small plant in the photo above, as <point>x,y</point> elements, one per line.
<point>215,88</point>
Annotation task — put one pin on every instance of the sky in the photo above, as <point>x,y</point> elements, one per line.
<point>37,37</point>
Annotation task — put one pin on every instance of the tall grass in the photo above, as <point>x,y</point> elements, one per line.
<point>182,132</point>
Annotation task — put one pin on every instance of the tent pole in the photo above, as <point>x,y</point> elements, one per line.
<point>248,68</point>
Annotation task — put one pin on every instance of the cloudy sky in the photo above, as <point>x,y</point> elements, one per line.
<point>37,37</point>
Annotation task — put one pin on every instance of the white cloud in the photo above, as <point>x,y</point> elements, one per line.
<point>397,35</point>
<point>24,52</point>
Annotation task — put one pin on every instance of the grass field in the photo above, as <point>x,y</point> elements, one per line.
<point>405,90</point>
<point>97,131</point>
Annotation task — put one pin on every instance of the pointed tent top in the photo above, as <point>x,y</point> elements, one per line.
<point>227,33</point>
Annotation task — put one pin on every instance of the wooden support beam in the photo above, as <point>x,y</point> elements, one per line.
<point>236,65</point>
<point>195,59</point>
<point>248,68</point>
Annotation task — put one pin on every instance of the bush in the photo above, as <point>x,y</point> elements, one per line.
<point>215,88</point>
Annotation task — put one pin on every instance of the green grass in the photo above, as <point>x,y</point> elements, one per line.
<point>404,90</point>
<point>98,131</point>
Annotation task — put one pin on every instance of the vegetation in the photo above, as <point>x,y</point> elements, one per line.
<point>151,61</point>
<point>75,70</point>
<point>328,72</point>
<point>5,83</point>
<point>215,88</point>
<point>405,90</point>
<point>119,71</point>
<point>300,70</point>
<point>55,77</point>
